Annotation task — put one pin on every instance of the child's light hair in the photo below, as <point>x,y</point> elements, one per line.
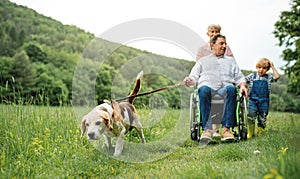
<point>214,26</point>
<point>263,62</point>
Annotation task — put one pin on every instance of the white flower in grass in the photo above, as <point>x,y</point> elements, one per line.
<point>256,152</point>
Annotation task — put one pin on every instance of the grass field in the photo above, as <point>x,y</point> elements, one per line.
<point>44,142</point>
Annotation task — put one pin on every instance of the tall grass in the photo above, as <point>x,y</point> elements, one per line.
<point>44,142</point>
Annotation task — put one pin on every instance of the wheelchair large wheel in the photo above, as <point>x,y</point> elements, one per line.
<point>241,116</point>
<point>194,123</point>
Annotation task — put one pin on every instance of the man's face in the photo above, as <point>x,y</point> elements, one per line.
<point>219,47</point>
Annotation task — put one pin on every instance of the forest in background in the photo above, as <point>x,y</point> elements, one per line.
<point>39,59</point>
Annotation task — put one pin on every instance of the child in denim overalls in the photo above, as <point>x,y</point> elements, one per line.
<point>259,92</point>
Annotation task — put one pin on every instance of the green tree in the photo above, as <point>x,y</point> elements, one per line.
<point>84,83</point>
<point>23,76</point>
<point>51,91</point>
<point>287,30</point>
<point>277,103</point>
<point>35,53</point>
<point>5,65</point>
<point>5,44</point>
<point>104,82</point>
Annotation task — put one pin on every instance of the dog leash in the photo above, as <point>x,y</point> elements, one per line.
<point>153,91</point>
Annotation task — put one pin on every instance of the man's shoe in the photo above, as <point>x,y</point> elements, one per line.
<point>206,136</point>
<point>251,129</point>
<point>226,134</point>
<point>216,135</point>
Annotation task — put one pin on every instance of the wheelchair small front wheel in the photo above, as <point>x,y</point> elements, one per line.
<point>194,135</point>
<point>194,124</point>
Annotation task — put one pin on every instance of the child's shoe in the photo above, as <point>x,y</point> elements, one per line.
<point>260,131</point>
<point>251,128</point>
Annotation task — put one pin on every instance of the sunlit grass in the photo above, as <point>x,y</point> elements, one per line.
<point>44,142</point>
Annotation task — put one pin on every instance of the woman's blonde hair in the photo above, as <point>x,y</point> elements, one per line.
<point>214,26</point>
<point>263,62</point>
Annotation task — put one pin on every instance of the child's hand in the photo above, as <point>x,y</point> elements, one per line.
<point>271,63</point>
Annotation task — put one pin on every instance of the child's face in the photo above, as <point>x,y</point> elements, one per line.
<point>213,32</point>
<point>261,70</point>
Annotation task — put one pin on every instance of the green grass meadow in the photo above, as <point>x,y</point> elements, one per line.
<point>44,142</point>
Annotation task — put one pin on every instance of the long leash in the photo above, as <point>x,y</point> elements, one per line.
<point>153,91</point>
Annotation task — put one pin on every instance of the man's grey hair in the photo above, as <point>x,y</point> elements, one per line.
<point>215,38</point>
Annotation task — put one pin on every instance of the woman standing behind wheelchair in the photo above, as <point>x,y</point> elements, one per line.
<point>259,93</point>
<point>212,30</point>
<point>217,73</point>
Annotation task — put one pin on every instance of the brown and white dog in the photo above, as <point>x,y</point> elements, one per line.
<point>114,119</point>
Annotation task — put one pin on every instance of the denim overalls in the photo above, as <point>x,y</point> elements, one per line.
<point>259,100</point>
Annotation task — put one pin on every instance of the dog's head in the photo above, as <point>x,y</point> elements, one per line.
<point>101,118</point>
<point>96,121</point>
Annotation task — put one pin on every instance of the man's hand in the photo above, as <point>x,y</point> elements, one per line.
<point>188,81</point>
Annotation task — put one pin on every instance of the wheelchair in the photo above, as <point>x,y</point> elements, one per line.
<point>240,123</point>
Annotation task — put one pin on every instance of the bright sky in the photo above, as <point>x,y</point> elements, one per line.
<point>247,24</point>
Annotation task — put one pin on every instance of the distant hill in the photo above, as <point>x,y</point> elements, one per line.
<point>21,25</point>
<point>38,56</point>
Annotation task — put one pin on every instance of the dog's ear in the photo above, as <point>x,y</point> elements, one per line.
<point>83,126</point>
<point>107,120</point>
<point>117,111</point>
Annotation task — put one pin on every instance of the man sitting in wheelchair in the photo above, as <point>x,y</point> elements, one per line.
<point>217,74</point>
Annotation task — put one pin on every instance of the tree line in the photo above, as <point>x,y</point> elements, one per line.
<point>44,62</point>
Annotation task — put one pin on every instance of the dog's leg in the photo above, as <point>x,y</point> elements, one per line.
<point>141,134</point>
<point>108,143</point>
<point>120,142</point>
<point>138,127</point>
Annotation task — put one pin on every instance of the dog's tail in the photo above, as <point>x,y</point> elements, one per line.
<point>136,88</point>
